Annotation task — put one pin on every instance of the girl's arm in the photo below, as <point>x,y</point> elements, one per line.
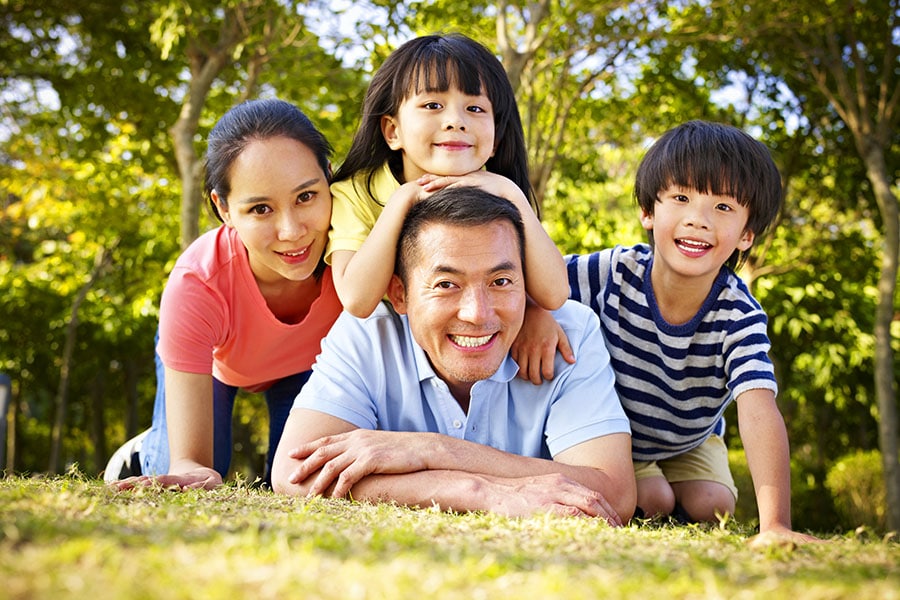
<point>766,445</point>
<point>361,278</point>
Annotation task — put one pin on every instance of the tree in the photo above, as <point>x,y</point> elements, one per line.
<point>846,53</point>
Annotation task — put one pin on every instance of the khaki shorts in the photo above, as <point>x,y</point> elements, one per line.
<point>707,462</point>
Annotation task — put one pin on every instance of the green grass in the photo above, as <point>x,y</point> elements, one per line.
<point>72,537</point>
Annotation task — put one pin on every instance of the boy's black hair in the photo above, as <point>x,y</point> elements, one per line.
<point>713,158</point>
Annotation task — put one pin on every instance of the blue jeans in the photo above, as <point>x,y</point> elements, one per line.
<point>279,399</point>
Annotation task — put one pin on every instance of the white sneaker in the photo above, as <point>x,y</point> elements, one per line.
<point>126,461</point>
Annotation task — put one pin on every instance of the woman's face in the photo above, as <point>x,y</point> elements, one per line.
<point>280,206</point>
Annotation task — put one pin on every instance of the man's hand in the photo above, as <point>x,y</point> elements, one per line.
<point>199,478</point>
<point>554,493</point>
<point>344,459</point>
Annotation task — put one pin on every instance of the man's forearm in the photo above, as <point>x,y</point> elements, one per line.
<point>467,492</point>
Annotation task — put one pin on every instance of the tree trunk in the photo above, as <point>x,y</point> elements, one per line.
<point>885,386</point>
<point>97,421</point>
<point>101,261</point>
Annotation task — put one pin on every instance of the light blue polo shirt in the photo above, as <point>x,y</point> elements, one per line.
<point>372,374</point>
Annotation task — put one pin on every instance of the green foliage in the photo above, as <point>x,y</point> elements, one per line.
<point>86,163</point>
<point>856,482</point>
<point>66,537</point>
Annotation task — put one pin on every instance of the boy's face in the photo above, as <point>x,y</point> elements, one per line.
<point>694,233</point>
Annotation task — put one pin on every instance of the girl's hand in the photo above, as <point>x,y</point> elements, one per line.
<point>534,349</point>
<point>489,182</point>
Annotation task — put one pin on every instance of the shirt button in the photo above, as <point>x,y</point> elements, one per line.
<point>457,424</point>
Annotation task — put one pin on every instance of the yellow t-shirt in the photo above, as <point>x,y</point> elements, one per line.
<point>354,212</point>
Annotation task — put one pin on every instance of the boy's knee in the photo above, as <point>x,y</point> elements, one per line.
<point>704,500</point>
<point>655,497</point>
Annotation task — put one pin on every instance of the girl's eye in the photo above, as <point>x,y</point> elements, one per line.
<point>432,105</point>
<point>724,208</point>
<point>260,209</point>
<point>476,109</point>
<point>304,197</point>
<point>680,198</point>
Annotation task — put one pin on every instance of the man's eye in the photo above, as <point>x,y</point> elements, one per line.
<point>445,285</point>
<point>502,281</point>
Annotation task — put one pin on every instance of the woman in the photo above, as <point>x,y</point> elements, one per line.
<point>246,305</point>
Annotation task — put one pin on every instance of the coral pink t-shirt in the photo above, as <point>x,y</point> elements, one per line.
<point>213,318</point>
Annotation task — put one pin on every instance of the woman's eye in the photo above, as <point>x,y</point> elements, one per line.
<point>304,197</point>
<point>260,209</point>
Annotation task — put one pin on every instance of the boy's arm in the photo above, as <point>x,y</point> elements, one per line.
<point>535,346</point>
<point>768,455</point>
<point>361,278</point>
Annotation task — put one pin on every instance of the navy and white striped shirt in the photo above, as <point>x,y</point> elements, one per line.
<point>674,381</point>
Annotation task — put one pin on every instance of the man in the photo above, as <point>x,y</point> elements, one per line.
<point>421,405</point>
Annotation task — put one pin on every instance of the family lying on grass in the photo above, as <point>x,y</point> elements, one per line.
<point>477,384</point>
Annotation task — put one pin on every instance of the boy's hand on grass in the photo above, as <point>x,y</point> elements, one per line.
<point>781,536</point>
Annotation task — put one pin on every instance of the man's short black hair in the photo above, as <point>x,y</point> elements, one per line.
<point>461,206</point>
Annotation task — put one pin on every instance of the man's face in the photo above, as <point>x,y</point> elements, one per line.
<point>465,299</point>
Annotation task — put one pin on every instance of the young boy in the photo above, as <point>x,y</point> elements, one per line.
<point>685,335</point>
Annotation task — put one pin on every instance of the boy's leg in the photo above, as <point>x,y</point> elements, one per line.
<point>654,494</point>
<point>701,480</point>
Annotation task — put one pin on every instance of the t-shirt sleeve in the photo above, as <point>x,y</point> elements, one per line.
<point>587,277</point>
<point>586,405</point>
<point>351,217</point>
<point>747,359</point>
<point>343,383</point>
<point>192,321</point>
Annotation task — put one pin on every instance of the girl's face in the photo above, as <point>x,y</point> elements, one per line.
<point>441,133</point>
<point>695,233</point>
<point>280,206</point>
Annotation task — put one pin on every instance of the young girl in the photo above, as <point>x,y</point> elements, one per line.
<point>439,112</point>
<point>246,305</point>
